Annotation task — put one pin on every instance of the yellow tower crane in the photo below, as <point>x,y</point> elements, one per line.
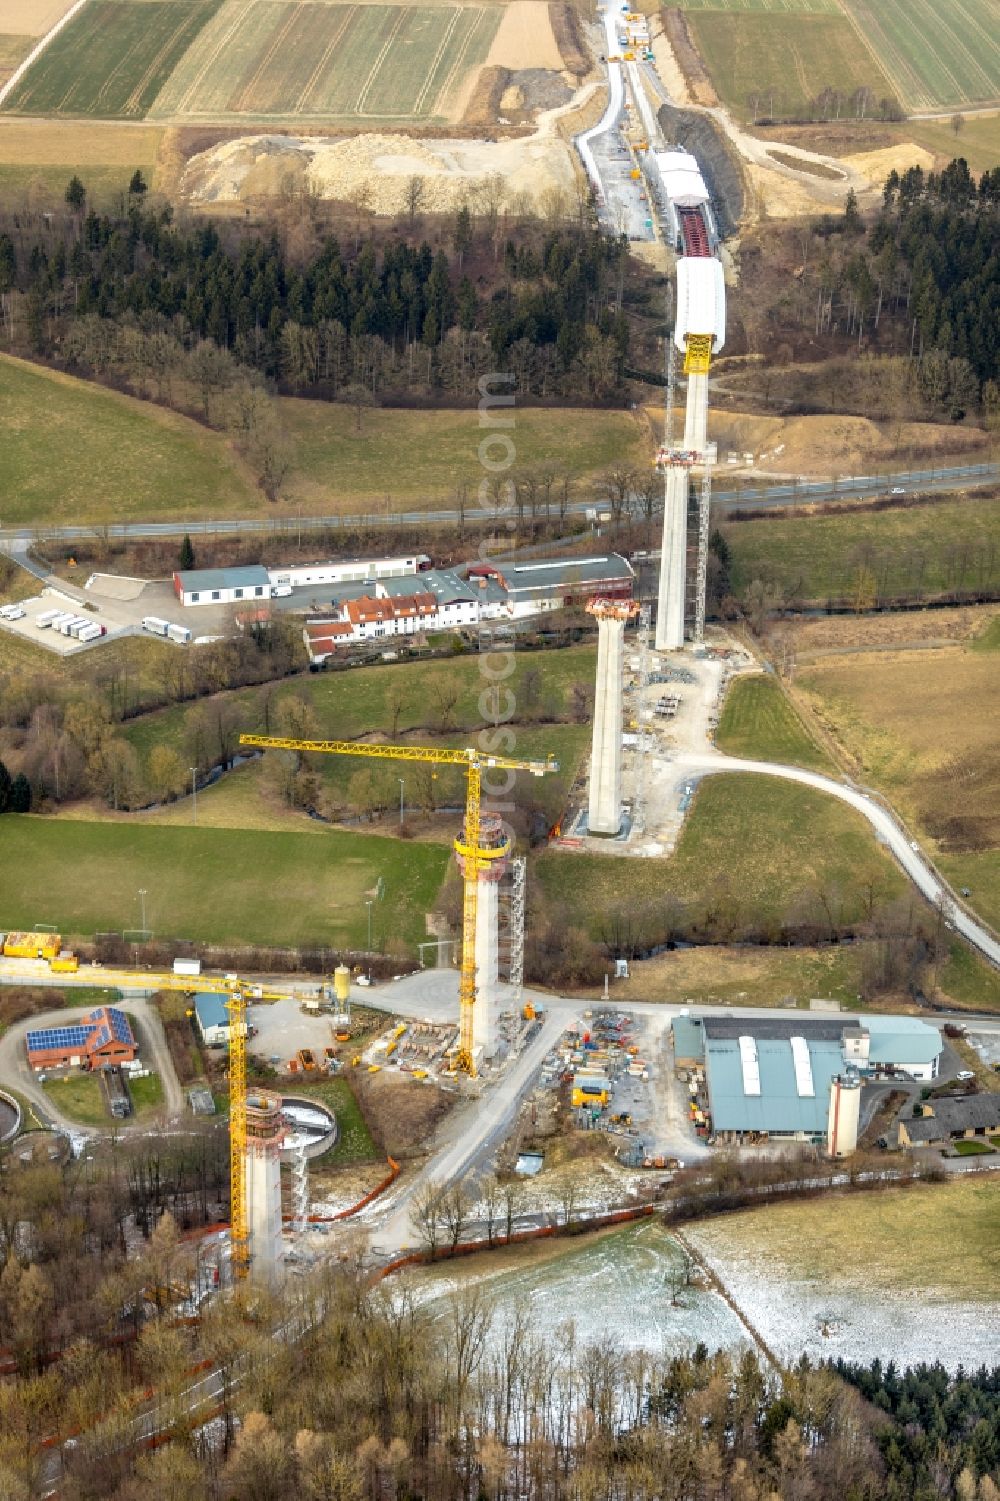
<point>473,855</point>
<point>237,992</point>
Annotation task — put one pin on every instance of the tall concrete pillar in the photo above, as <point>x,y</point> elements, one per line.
<point>493,859</point>
<point>487,964</point>
<point>673,561</point>
<point>265,1135</point>
<point>696,413</point>
<point>606,754</point>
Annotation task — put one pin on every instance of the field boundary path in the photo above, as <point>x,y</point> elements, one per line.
<point>38,49</point>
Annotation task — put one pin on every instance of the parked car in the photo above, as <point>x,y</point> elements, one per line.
<point>965,1074</point>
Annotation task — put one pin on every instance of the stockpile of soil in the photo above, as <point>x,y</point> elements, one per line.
<point>719,163</point>
<point>569,39</point>
<point>484,105</point>
<point>675,28</point>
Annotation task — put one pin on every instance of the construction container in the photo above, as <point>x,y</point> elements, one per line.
<point>155,625</point>
<point>187,966</point>
<point>306,1059</point>
<point>45,619</point>
<point>32,945</point>
<point>64,963</point>
<point>342,983</point>
<point>178,633</point>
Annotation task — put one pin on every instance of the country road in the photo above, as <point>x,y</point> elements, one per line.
<point>784,492</point>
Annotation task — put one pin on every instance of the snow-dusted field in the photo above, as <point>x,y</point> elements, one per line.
<point>853,1317</point>
<point>612,1287</point>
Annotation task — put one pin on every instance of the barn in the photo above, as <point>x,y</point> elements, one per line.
<point>102,1039</point>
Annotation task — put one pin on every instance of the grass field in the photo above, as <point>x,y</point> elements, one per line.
<point>784,61</point>
<point>279,59</point>
<point>759,723</point>
<point>38,158</point>
<point>989,639</point>
<point>112,59</point>
<point>978,142</point>
<point>348,704</point>
<point>937,54</point>
<point>917,726</point>
<point>71,452</point>
<point>79,1098</point>
<point>110,457</point>
<point>750,849</point>
<point>418,458</point>
<point>936,1238</point>
<point>923,549</point>
<point>354,1142</point>
<point>215,885</point>
<point>739,976</point>
<point>969,981</point>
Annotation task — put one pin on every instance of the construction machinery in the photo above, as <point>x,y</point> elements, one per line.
<point>474,856</point>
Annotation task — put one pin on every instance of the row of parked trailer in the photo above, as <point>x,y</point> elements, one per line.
<point>80,627</point>
<point>158,627</point>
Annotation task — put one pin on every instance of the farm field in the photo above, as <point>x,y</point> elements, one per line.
<point>217,885</point>
<point>917,725</point>
<point>759,723</point>
<point>418,458</point>
<point>783,61</point>
<point>922,550</point>
<point>33,18</point>
<point>938,55</point>
<point>279,59</point>
<point>106,456</point>
<point>112,59</point>
<point>908,1273</point>
<point>765,7</point>
<point>13,50</point>
<point>751,848</point>
<point>38,158</point>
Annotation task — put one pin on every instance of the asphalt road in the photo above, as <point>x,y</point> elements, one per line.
<point>781,494</point>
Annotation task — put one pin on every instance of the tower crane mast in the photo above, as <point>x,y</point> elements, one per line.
<point>473,856</point>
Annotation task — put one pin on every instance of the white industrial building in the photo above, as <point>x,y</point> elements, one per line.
<point>221,586</point>
<point>449,599</point>
<point>358,571</point>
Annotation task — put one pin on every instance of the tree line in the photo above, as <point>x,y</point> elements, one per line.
<point>380,1394</point>
<point>383,320</point>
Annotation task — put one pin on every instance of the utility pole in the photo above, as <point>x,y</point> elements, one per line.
<point>369,904</point>
<point>194,790</point>
<point>142,906</point>
<point>402,784</point>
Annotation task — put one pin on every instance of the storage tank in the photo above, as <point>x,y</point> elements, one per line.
<point>845,1113</point>
<point>342,984</point>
